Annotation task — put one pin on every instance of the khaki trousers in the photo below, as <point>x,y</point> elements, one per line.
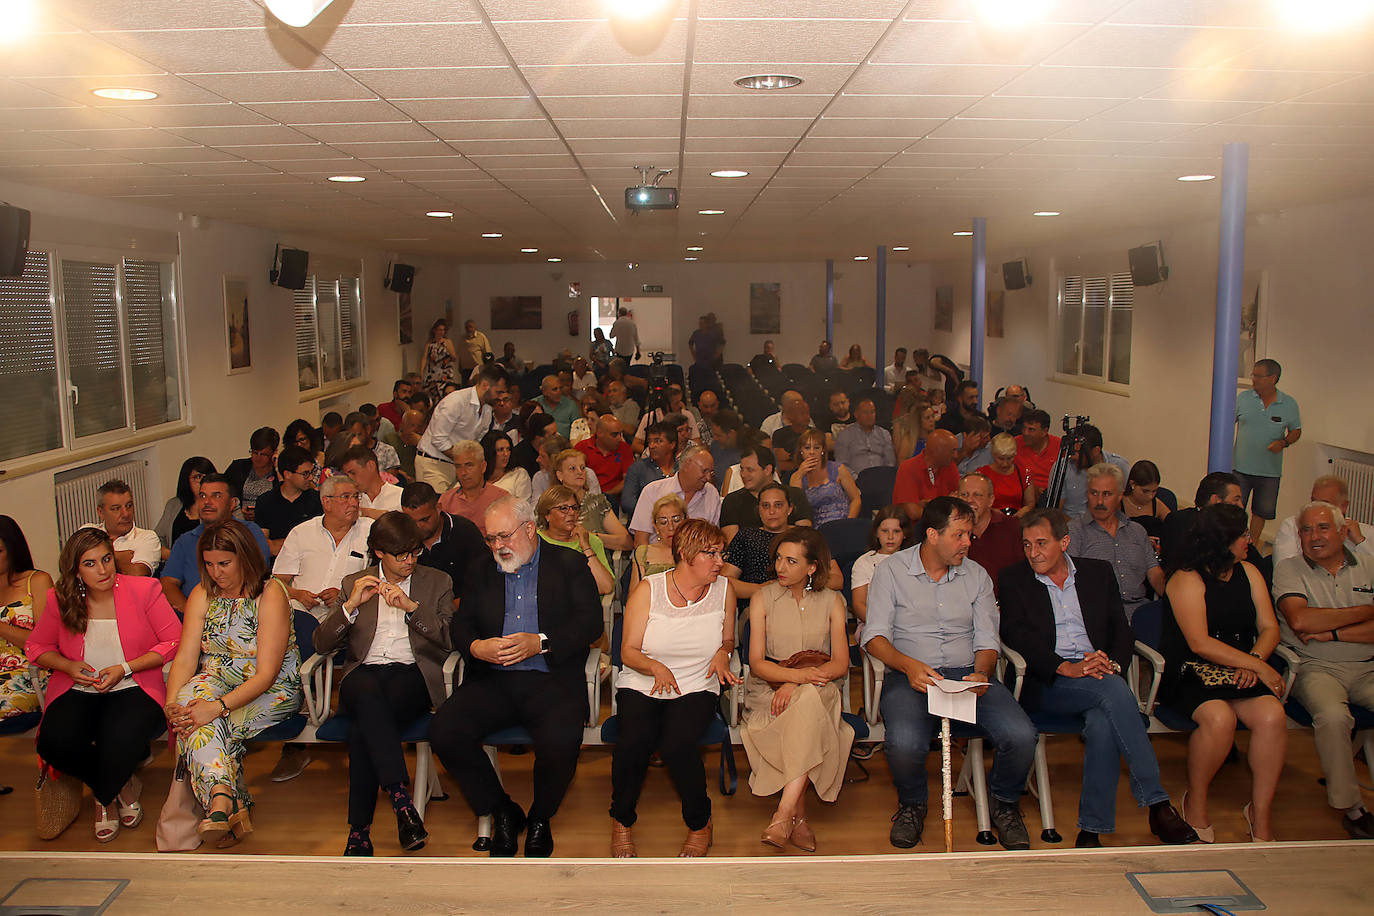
<point>1324,688</point>
<point>438,474</point>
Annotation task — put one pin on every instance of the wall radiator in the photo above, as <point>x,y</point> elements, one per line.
<point>1360,476</point>
<point>76,493</point>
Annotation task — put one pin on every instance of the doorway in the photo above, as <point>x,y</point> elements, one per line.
<point>652,314</point>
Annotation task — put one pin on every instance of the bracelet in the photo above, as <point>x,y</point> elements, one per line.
<point>128,672</point>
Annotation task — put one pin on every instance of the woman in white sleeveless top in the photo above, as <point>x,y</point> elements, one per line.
<point>676,654</point>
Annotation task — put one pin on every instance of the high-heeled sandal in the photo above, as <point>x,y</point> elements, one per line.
<point>622,842</point>
<point>779,831</point>
<point>130,815</point>
<point>697,842</point>
<point>1249,825</point>
<point>803,837</point>
<point>235,819</point>
<point>1205,834</point>
<point>106,827</point>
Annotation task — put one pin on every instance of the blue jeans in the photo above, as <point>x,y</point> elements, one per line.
<point>909,728</point>
<point>1112,729</point>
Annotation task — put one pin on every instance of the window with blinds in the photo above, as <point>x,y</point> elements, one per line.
<point>28,362</point>
<point>328,331</point>
<point>1094,333</point>
<point>150,316</point>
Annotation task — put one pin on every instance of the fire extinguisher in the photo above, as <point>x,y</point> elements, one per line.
<point>574,323</point>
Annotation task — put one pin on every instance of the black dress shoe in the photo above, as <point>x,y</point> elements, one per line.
<point>1167,824</point>
<point>507,822</point>
<point>359,843</point>
<point>539,840</point>
<point>410,830</point>
<point>1087,840</point>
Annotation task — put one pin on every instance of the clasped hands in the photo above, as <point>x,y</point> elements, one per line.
<point>506,650</point>
<point>86,676</point>
<point>313,599</point>
<point>365,587</point>
<point>185,719</point>
<point>1095,665</point>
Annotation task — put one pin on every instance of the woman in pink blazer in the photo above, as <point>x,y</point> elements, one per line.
<point>106,645</point>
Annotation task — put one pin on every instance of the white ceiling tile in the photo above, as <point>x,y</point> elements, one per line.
<point>876,127</point>
<point>900,106</point>
<point>747,127</point>
<point>379,149</point>
<point>1348,49</point>
<point>1017,107</point>
<point>139,14</point>
<point>492,130</point>
<point>1178,111</point>
<point>1347,89</point>
<point>784,41</point>
<point>171,90</point>
<point>968,43</point>
<point>581,80</point>
<point>29,140</point>
<point>1119,130</point>
<point>602,152</point>
<point>889,79</point>
<point>250,135</point>
<point>818,78</point>
<point>282,85</point>
<point>802,9</point>
<point>620,128</point>
<point>589,42</point>
<point>614,106</point>
<point>1350,114</point>
<point>272,153</point>
<point>516,160</point>
<point>417,45</point>
<point>12,156</point>
<point>862,160</point>
<point>125,138</point>
<point>498,109</point>
<point>1087,82</point>
<point>366,133</point>
<point>17,94</point>
<point>70,55</point>
<point>401,165</point>
<point>183,154</point>
<point>739,144</point>
<point>920,160</point>
<point>406,11</point>
<point>1233,13</point>
<point>443,82</point>
<point>224,114</point>
<point>1057,147</point>
<point>219,50</point>
<point>1154,46</point>
<point>63,119</point>
<point>508,147</point>
<point>887,145</point>
<point>1243,85</point>
<point>742,104</point>
<point>331,112</point>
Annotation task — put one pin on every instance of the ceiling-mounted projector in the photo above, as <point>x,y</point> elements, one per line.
<point>647,195</point>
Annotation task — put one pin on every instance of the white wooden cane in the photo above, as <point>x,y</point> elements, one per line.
<point>947,789</point>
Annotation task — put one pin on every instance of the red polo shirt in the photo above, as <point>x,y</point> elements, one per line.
<point>917,483</point>
<point>998,547</point>
<point>609,469</point>
<point>1039,465</point>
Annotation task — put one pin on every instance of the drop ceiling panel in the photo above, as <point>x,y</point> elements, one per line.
<point>218,50</point>
<point>745,104</point>
<point>1346,89</point>
<point>1232,13</point>
<point>127,138</point>
<point>366,133</point>
<point>886,145</point>
<point>476,148</point>
<point>1118,130</point>
<point>251,135</point>
<point>222,115</point>
<point>619,106</point>
<point>1244,85</point>
<point>433,166</point>
<point>968,43</point>
<point>1154,46</point>
<point>138,14</point>
<point>417,45</point>
<point>998,128</point>
<point>916,79</point>
<point>184,154</point>
<point>329,112</point>
<point>28,140</point>
<point>1087,82</point>
<point>1177,111</point>
<point>785,41</point>
<point>586,79</point>
<point>900,106</point>
<point>71,55</point>
<point>747,127</point>
<point>1036,108</point>
<point>499,109</point>
<point>739,144</point>
<point>719,79</point>
<point>493,130</point>
<point>443,82</point>
<point>408,149</point>
<point>171,90</point>
<point>590,42</point>
<point>64,119</point>
<point>282,86</point>
<point>596,153</point>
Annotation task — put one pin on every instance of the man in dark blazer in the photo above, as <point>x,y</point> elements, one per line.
<point>523,626</point>
<point>1066,617</point>
<point>393,617</point>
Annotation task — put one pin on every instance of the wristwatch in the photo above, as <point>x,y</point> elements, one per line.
<point>128,672</point>
<point>543,644</point>
<point>224,707</point>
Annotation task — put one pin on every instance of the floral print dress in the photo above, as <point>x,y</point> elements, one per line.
<point>18,695</point>
<point>228,657</point>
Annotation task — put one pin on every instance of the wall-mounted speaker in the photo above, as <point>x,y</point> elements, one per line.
<point>400,278</point>
<point>1016,274</point>
<point>1147,264</point>
<point>14,240</point>
<point>292,266</point>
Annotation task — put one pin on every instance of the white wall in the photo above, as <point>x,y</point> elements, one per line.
<point>1318,328</point>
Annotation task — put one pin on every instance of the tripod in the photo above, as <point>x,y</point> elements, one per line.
<point>1068,449</point>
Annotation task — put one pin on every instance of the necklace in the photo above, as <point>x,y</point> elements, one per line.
<point>673,575</point>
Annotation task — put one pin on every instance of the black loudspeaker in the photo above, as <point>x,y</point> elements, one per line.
<point>295,263</point>
<point>1147,264</point>
<point>14,240</point>
<point>401,278</point>
<point>1015,274</point>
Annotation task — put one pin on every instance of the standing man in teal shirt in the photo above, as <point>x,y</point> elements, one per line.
<point>1267,422</point>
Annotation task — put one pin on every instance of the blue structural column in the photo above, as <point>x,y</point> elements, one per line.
<point>978,332</point>
<point>1235,166</point>
<point>880,357</point>
<point>830,302</point>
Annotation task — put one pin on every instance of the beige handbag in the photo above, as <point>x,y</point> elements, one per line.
<point>178,826</point>
<point>57,798</point>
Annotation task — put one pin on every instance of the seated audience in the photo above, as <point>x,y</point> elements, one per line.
<point>676,410</point>
<point>708,406</point>
<point>1359,537</point>
<point>182,512</point>
<point>798,653</point>
<point>376,497</point>
<point>1006,415</point>
<point>464,415</point>
<point>1088,454</point>
<point>538,427</point>
<point>600,350</point>
<point>1141,501</point>
<point>590,407</point>
<point>889,536</point>
<point>933,373</point>
<point>1219,631</point>
<point>995,541</point>
<point>1036,449</point>
<point>555,445</point>
<point>928,475</point>
<point>864,444</point>
<point>829,487</point>
<point>773,422</point>
<point>236,673</point>
<point>727,437</point>
<point>514,365</point>
<point>692,482</point>
<point>379,429</point>
<point>1326,617</point>
<point>394,409</point>
<point>363,427</point>
<point>913,428</point>
<point>496,450</point>
<point>447,542</point>
<point>556,514</point>
<point>855,359</point>
<point>823,360</point>
<point>217,502</point>
<point>523,629</point>
<point>1105,533</point>
<point>583,378</point>
<point>553,402</point>
<point>392,618</point>
<point>625,410</point>
<point>646,560</point>
<point>256,474</point>
<point>607,455</point>
<point>471,495</point>
<point>932,615</point>
<point>894,376</point>
<point>505,418</point>
<point>300,433</point>
<point>765,360</point>
<point>105,639</point>
<point>595,512</point>
<point>295,499</point>
<point>1066,619</point>
<point>838,415</point>
<point>319,552</point>
<point>1216,487</point>
<point>331,424</point>
<point>1013,493</point>
<point>137,551</point>
<point>668,689</point>
<point>740,509</point>
<point>23,599</point>
<point>797,420</point>
<point>963,407</point>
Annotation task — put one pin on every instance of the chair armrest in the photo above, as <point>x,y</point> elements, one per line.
<point>735,702</point>
<point>1287,654</point>
<point>317,686</point>
<point>1018,667</point>
<point>592,671</point>
<point>1156,663</point>
<point>873,687</point>
<point>453,672</point>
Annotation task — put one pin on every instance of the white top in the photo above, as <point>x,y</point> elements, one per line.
<point>103,649</point>
<point>516,482</point>
<point>625,333</point>
<point>310,554</point>
<point>683,638</point>
<point>704,505</point>
<point>771,424</point>
<point>894,377</point>
<point>145,544</point>
<point>388,499</point>
<point>1286,543</point>
<point>391,641</point>
<point>457,416</point>
<point>585,381</point>
<point>543,480</point>
<point>862,573</point>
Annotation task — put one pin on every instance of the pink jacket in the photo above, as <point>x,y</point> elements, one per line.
<point>146,623</point>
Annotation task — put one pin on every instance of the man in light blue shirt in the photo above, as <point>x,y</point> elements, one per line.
<point>1267,422</point>
<point>181,573</point>
<point>932,615</point>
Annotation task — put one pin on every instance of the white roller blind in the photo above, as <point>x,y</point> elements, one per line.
<point>151,342</point>
<point>1070,324</point>
<point>327,315</point>
<point>1123,315</point>
<point>95,355</point>
<point>28,362</point>
<point>350,327</point>
<point>307,361</point>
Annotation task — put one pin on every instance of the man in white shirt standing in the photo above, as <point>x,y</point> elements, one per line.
<point>1359,538</point>
<point>464,414</point>
<point>376,497</point>
<point>137,550</point>
<point>625,333</point>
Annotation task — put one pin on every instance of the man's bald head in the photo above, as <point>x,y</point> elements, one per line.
<point>941,446</point>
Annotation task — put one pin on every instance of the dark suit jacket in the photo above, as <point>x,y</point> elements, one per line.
<point>428,625</point>
<point>569,610</point>
<point>1028,616</point>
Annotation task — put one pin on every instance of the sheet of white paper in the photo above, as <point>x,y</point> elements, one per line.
<point>953,700</point>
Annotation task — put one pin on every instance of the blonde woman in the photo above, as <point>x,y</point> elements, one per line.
<point>596,514</point>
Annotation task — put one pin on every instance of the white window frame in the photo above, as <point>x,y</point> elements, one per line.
<point>312,284</point>
<point>1113,279</point>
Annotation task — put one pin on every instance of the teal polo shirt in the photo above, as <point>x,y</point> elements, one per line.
<point>1257,426</point>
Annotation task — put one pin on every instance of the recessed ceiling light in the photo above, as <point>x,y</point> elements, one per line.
<point>695,248</point>
<point>21,20</point>
<point>1196,177</point>
<point>1045,213</point>
<point>491,235</point>
<point>689,258</point>
<point>120,94</point>
<point>768,81</point>
<point>710,212</point>
<point>529,250</point>
<point>963,232</point>
<point>1322,15</point>
<point>554,260</point>
<point>347,179</point>
<point>729,173</point>
<point>901,247</point>
<point>1005,14</point>
<point>861,257</point>
<point>440,214</point>
<point>635,9</point>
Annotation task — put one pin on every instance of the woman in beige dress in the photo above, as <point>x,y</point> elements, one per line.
<point>794,734</point>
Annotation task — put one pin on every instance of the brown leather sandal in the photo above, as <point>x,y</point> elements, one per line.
<point>697,842</point>
<point>622,842</point>
<point>802,835</point>
<point>779,831</point>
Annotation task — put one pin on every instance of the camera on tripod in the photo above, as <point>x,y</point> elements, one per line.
<point>658,383</point>
<point>1068,452</point>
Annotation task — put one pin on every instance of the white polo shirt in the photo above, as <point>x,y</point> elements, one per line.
<point>145,544</point>
<point>388,498</point>
<point>318,563</point>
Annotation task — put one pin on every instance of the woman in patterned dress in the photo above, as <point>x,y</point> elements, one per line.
<point>437,369</point>
<point>236,673</point>
<point>23,592</point>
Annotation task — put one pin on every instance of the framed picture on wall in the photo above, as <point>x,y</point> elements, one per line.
<point>517,313</point>
<point>765,308</point>
<point>996,313</point>
<point>944,308</point>
<point>1254,315</point>
<point>238,337</point>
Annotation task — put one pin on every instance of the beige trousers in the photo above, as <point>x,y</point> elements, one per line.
<point>1324,688</point>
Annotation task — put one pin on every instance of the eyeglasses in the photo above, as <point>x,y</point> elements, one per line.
<point>567,507</point>
<point>346,497</point>
<point>710,554</point>
<point>405,557</point>
<point>667,520</point>
<point>495,539</point>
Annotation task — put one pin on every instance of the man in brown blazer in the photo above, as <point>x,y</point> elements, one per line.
<point>393,617</point>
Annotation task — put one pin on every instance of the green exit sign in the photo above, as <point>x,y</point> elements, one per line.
<point>651,288</point>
